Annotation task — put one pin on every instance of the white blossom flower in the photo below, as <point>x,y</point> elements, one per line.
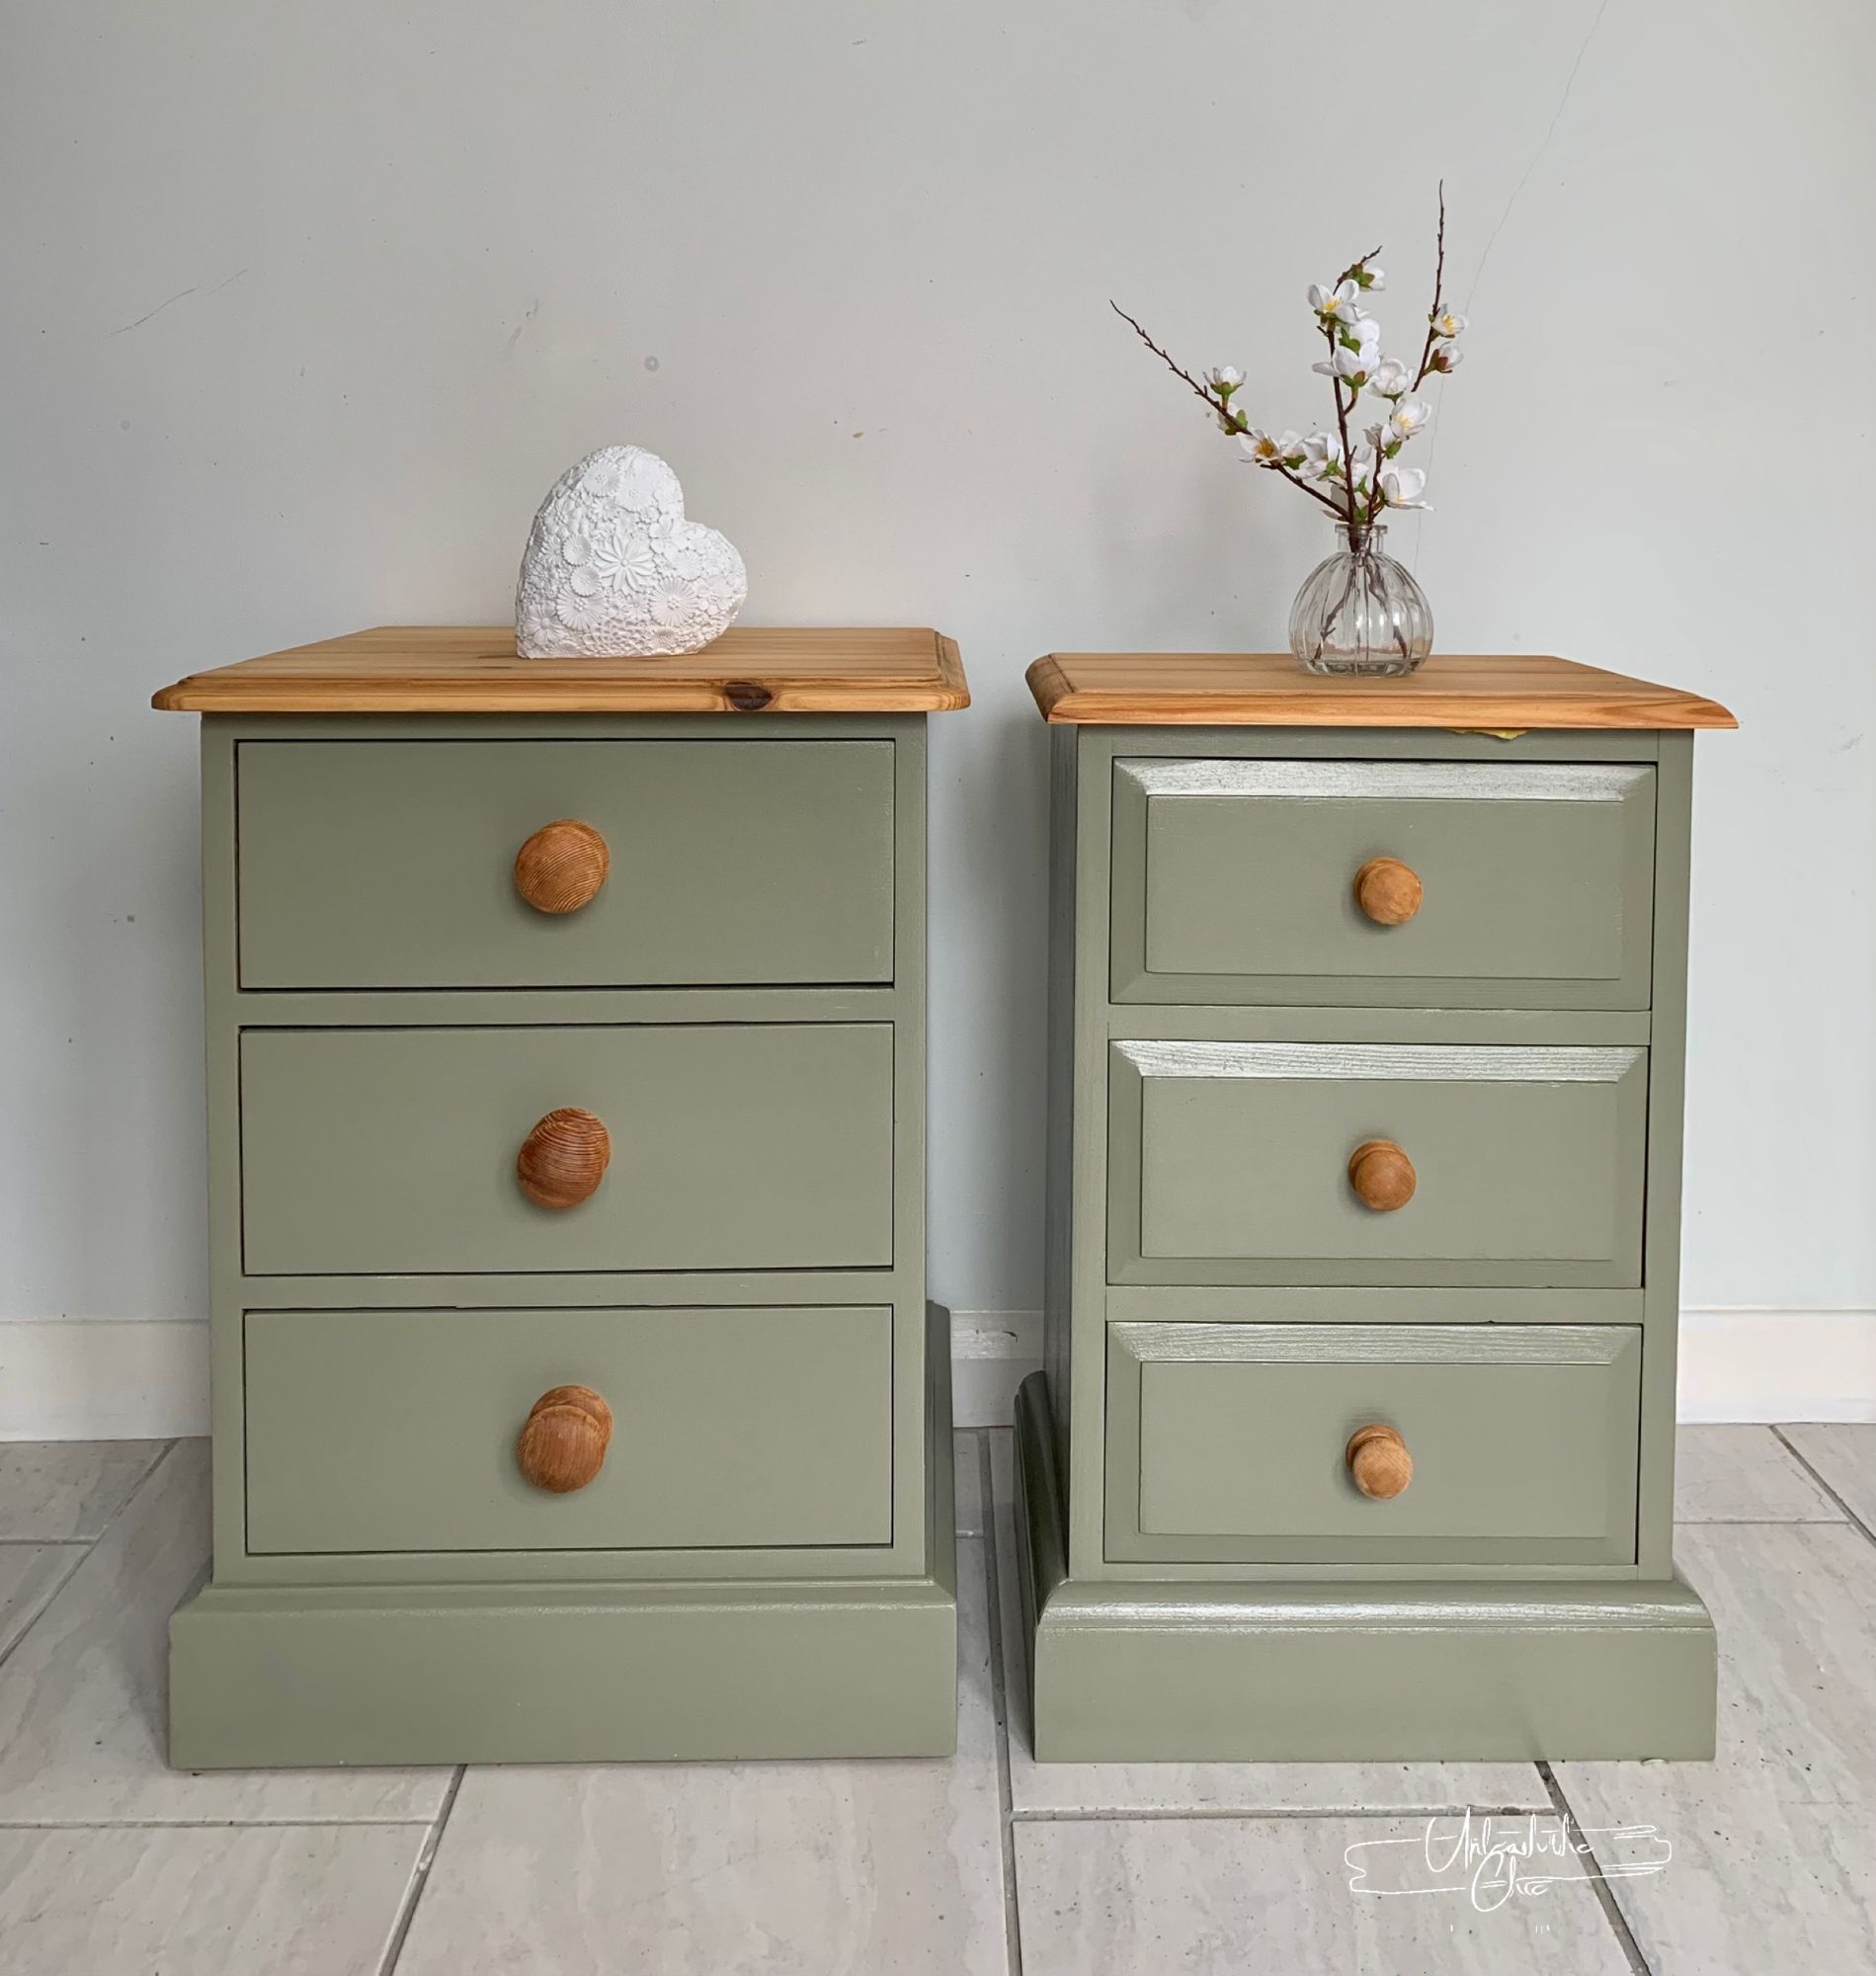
<point>1391,377</point>
<point>1445,358</point>
<point>1266,450</point>
<point>1224,378</point>
<point>1403,486</point>
<point>1354,367</point>
<point>1342,304</point>
<point>1372,280</point>
<point>1446,322</point>
<point>1410,416</point>
<point>1322,456</point>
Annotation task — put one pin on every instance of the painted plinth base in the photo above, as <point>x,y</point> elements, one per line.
<point>1267,1671</point>
<point>293,1675</point>
<point>491,1675</point>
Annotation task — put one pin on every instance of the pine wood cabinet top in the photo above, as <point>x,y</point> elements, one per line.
<point>1269,689</point>
<point>459,669</point>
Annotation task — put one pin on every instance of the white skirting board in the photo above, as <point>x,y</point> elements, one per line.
<point>1747,1363</point>
<point>103,1379</point>
<point>100,1380</point>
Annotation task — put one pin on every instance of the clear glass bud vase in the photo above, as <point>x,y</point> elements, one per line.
<point>1360,611</point>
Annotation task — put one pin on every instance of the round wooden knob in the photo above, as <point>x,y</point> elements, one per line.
<point>562,867</point>
<point>1382,1176</point>
<point>1378,1461</point>
<point>563,1159</point>
<point>564,1441</point>
<point>1387,890</point>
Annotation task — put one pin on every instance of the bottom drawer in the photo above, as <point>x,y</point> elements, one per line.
<point>395,1430</point>
<point>1228,1443</point>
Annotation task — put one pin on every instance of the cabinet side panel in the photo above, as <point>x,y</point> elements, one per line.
<point>1661,1261</point>
<point>910,1422</point>
<point>1058,1204</point>
<point>221,880</point>
<point>1087,1310</point>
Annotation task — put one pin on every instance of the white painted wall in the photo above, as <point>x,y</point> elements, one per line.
<point>301,310</point>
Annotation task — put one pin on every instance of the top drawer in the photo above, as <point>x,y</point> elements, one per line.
<point>1236,881</point>
<point>390,863</point>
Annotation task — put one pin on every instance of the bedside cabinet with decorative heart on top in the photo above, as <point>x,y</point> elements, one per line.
<point>1355,1436</point>
<point>576,1396</point>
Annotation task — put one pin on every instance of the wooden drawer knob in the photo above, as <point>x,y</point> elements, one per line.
<point>563,1159</point>
<point>1382,1176</point>
<point>564,1441</point>
<point>562,867</point>
<point>1388,891</point>
<point>1378,1461</point>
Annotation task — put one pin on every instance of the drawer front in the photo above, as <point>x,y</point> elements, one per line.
<point>1229,1163</point>
<point>1236,881</point>
<point>1228,1443</point>
<point>390,863</point>
<point>395,1430</point>
<point>734,1146</point>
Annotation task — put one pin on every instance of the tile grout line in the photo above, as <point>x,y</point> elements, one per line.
<point>1221,1814</point>
<point>976,1441</point>
<point>10,1647</point>
<point>1000,1703</point>
<point>85,1543</point>
<point>1810,1467</point>
<point>284,1824</point>
<point>1756,1522</point>
<point>1605,1893</point>
<point>419,1874</point>
<point>84,1546</point>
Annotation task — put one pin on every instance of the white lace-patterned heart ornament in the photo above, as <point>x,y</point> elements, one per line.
<point>613,570</point>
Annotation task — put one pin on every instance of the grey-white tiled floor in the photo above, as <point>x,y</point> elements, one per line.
<point>113,1865</point>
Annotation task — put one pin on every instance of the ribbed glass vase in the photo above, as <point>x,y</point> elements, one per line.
<point>1360,611</point>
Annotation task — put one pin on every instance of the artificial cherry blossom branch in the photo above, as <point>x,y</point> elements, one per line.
<point>1367,483</point>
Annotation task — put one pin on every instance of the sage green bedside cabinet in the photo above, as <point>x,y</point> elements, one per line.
<point>575,1392</point>
<point>1356,1434</point>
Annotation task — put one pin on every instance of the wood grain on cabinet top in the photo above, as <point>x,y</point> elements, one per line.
<point>471,668</point>
<point>1517,691</point>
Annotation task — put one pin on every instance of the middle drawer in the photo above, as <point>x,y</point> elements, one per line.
<point>734,1146</point>
<point>1244,1163</point>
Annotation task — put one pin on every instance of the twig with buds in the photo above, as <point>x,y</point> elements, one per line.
<point>1216,396</point>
